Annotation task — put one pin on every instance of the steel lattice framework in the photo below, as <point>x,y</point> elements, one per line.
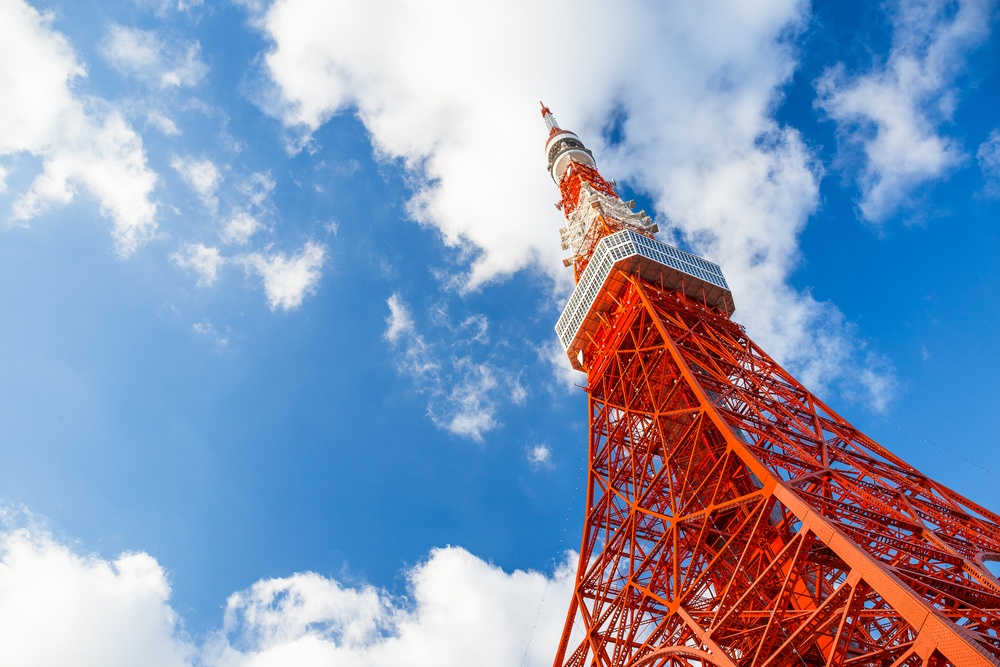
<point>732,518</point>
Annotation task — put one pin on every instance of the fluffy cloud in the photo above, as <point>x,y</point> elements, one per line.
<point>289,279</point>
<point>203,261</point>
<point>58,608</point>
<point>693,90</point>
<point>460,611</point>
<point>146,56</point>
<point>81,141</point>
<point>894,111</point>
<point>464,390</point>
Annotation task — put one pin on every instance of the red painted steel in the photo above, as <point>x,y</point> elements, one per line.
<point>732,518</point>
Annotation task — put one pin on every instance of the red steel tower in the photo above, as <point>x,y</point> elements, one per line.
<point>732,518</point>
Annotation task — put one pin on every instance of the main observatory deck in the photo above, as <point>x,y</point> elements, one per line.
<point>629,253</point>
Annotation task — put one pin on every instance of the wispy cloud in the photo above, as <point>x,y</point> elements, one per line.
<point>988,156</point>
<point>202,176</point>
<point>221,339</point>
<point>254,204</point>
<point>147,56</point>
<point>894,113</point>
<point>465,389</point>
<point>203,261</point>
<point>163,123</point>
<point>554,356</point>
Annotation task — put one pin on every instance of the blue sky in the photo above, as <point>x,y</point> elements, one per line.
<point>278,281</point>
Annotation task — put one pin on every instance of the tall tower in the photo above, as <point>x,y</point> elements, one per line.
<point>732,518</point>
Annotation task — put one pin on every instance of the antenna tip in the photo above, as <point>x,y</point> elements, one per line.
<point>545,109</point>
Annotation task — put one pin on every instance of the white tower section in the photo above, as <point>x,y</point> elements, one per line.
<point>566,153</point>
<point>562,147</point>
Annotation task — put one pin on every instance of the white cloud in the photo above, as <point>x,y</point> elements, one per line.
<point>278,612</point>
<point>478,327</point>
<point>211,332</point>
<point>203,260</point>
<point>518,392</point>
<point>464,392</point>
<point>988,156</point>
<point>80,140</point>
<point>202,176</point>
<point>240,228</point>
<point>164,7</point>
<point>695,87</point>
<point>163,123</point>
<point>61,608</point>
<point>460,611</point>
<point>894,111</point>
<point>289,279</point>
<point>554,356</point>
<point>257,189</point>
<point>877,383</point>
<point>417,358</point>
<point>400,322</point>
<point>469,408</point>
<point>3,178</point>
<point>146,56</point>
<point>540,456</point>
<point>245,221</point>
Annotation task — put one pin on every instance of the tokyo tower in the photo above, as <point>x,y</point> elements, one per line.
<point>733,518</point>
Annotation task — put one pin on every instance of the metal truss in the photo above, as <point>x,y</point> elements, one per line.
<point>733,519</point>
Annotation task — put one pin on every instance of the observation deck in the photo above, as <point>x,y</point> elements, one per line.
<point>627,253</point>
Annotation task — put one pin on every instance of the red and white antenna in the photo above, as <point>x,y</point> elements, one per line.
<point>592,208</point>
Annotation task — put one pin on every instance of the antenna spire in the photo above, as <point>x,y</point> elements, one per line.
<point>550,120</point>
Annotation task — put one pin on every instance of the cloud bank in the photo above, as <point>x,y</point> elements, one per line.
<point>58,608</point>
